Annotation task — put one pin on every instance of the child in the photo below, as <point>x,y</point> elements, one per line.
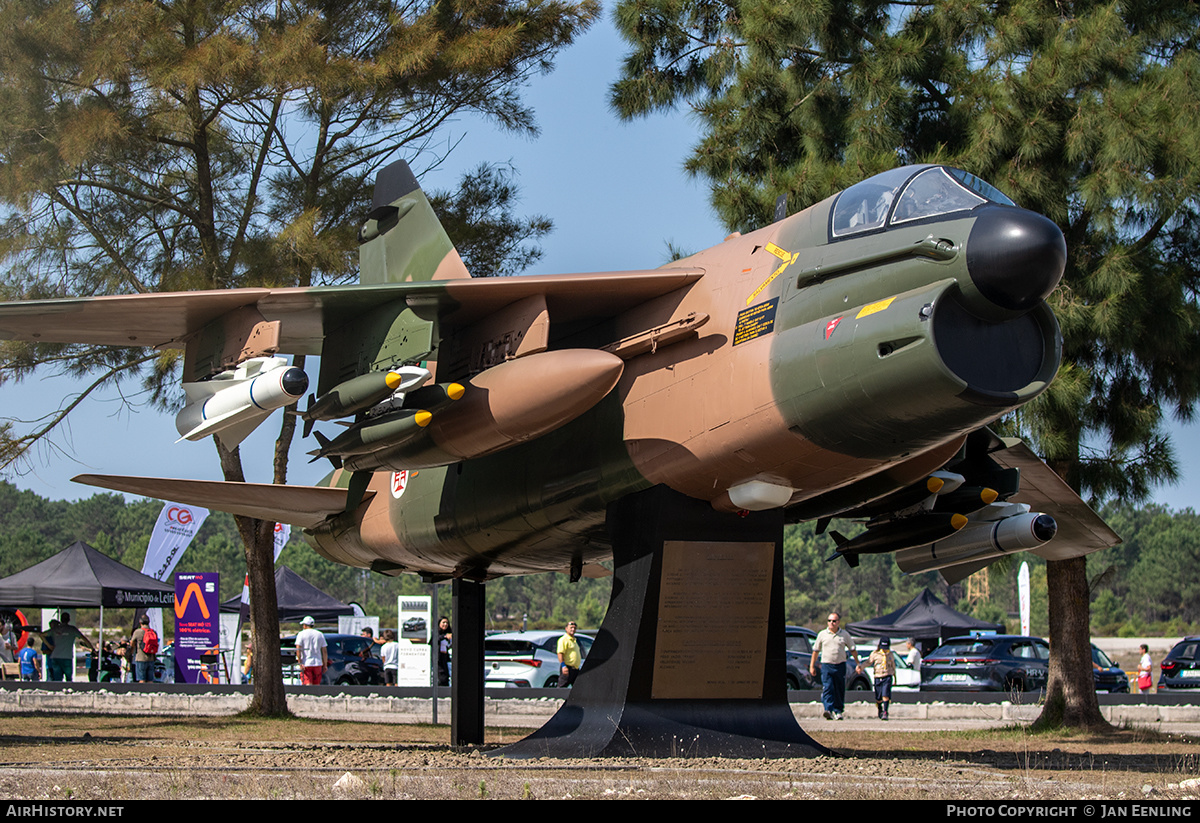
<point>30,660</point>
<point>885,671</point>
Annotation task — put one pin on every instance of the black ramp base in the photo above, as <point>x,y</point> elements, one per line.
<point>690,659</point>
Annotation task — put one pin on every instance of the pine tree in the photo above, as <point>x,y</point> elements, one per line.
<point>1083,111</point>
<point>212,144</point>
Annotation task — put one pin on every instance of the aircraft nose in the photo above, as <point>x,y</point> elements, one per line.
<point>1015,257</point>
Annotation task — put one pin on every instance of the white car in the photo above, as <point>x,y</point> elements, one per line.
<point>907,678</point>
<point>525,659</point>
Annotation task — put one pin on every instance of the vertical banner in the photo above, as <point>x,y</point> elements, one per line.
<point>283,533</point>
<point>177,525</point>
<point>1023,596</point>
<point>197,627</point>
<point>174,530</point>
<point>415,615</point>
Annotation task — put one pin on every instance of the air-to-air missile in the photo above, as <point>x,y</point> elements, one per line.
<point>1011,528</point>
<point>233,403</point>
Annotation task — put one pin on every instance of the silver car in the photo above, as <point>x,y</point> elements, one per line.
<point>525,659</point>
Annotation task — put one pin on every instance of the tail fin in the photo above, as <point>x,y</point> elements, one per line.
<point>402,240</point>
<point>850,557</point>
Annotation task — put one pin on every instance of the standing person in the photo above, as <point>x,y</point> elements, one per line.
<point>1145,677</point>
<point>31,661</point>
<point>833,644</point>
<point>125,659</point>
<point>61,664</point>
<point>390,653</point>
<point>311,652</point>
<point>884,668</point>
<point>144,645</point>
<point>445,641</point>
<point>8,644</point>
<point>913,655</point>
<point>569,658</point>
<point>248,664</point>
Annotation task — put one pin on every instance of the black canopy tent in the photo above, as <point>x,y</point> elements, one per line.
<point>925,617</point>
<point>297,598</point>
<point>80,576</point>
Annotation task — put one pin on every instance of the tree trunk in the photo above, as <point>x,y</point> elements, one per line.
<point>258,538</point>
<point>269,698</point>
<point>1071,693</point>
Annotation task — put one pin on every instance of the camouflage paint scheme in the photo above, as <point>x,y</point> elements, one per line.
<point>822,367</point>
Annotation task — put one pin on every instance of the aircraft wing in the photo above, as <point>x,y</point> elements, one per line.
<point>302,506</point>
<point>167,320</point>
<point>1080,530</point>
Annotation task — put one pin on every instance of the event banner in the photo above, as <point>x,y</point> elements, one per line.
<point>197,627</point>
<point>177,525</point>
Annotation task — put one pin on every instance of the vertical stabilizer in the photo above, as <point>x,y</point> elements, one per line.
<point>402,241</point>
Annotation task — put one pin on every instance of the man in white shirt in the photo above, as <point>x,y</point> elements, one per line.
<point>312,653</point>
<point>833,644</point>
<point>913,655</point>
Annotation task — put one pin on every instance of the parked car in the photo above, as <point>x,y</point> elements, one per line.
<point>1109,677</point>
<point>987,663</point>
<point>799,646</point>
<point>799,655</point>
<point>525,659</point>
<point>353,661</point>
<point>1181,667</point>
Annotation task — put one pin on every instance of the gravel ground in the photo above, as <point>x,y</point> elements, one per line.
<point>57,757</point>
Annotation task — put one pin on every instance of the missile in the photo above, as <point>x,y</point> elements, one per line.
<point>965,500</point>
<point>376,433</point>
<point>903,533</point>
<point>234,403</point>
<point>391,429</point>
<point>362,392</point>
<point>502,406</point>
<point>981,541</point>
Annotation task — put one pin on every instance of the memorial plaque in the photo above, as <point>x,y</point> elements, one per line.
<point>712,620</point>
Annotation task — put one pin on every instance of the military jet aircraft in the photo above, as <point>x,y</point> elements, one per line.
<point>832,364</point>
<point>842,362</point>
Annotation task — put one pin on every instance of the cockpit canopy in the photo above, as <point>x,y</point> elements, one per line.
<point>909,194</point>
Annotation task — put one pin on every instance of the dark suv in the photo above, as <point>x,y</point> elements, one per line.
<point>1181,666</point>
<point>799,657</point>
<point>1107,675</point>
<point>352,661</point>
<point>987,663</point>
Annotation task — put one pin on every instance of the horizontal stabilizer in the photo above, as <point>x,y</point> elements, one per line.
<point>302,506</point>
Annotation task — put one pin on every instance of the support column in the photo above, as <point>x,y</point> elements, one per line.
<point>690,660</point>
<point>466,681</point>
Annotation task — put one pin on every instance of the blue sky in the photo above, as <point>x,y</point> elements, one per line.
<point>617,194</point>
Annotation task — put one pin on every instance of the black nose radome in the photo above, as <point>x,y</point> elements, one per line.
<point>1015,257</point>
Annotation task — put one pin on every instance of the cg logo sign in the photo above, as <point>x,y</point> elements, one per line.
<point>399,483</point>
<point>180,515</point>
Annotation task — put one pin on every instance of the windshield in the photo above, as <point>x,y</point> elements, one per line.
<point>909,194</point>
<point>964,648</point>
